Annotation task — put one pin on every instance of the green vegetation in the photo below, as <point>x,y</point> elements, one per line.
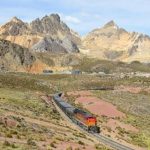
<point>53,144</point>
<point>69,148</point>
<point>45,58</point>
<point>135,106</point>
<point>80,142</point>
<point>100,147</point>
<point>96,65</point>
<point>20,101</point>
<point>11,146</point>
<point>139,139</point>
<point>21,107</point>
<point>79,135</point>
<point>27,103</point>
<point>31,142</point>
<point>136,65</point>
<point>23,82</point>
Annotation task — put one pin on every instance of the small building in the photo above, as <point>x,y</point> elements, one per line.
<point>47,71</point>
<point>76,72</point>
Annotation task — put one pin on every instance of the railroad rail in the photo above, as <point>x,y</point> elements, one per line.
<point>101,138</point>
<point>111,143</point>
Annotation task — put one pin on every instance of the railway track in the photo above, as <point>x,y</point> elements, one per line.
<point>101,138</point>
<point>111,143</point>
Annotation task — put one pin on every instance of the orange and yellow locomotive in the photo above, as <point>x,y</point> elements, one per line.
<point>84,119</point>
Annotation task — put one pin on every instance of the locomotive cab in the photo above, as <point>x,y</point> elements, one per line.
<point>92,125</point>
<point>91,121</point>
<point>88,119</point>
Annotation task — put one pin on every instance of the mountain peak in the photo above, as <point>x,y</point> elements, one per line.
<point>55,16</point>
<point>15,19</point>
<point>111,24</point>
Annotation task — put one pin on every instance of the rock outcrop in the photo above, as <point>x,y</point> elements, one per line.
<point>49,45</point>
<point>14,57</point>
<point>14,27</point>
<point>55,46</point>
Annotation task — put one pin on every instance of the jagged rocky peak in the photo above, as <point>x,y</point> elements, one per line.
<point>137,37</point>
<point>111,24</point>
<point>52,16</point>
<point>14,27</point>
<point>49,25</point>
<point>16,20</point>
<point>108,30</point>
<point>115,43</point>
<point>55,17</point>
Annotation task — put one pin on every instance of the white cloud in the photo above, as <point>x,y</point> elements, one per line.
<point>71,19</point>
<point>82,15</point>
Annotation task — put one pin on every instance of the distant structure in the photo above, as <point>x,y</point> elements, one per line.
<point>76,72</point>
<point>47,71</point>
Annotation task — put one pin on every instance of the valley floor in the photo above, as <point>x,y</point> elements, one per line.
<point>27,122</point>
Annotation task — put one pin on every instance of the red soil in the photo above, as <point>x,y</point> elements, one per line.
<point>131,89</point>
<point>113,124</point>
<point>65,145</point>
<point>8,122</point>
<point>147,90</point>
<point>100,107</point>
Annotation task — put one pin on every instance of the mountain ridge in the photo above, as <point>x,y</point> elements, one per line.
<point>50,35</point>
<point>29,34</point>
<point>114,43</point>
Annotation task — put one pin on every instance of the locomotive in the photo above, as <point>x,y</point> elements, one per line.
<point>82,118</point>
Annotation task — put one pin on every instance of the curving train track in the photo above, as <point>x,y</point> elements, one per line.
<point>112,143</point>
<point>101,138</point>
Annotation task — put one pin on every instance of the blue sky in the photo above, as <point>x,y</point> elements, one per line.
<point>82,15</point>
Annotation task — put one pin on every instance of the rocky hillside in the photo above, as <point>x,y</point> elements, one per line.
<point>115,43</point>
<point>15,58</point>
<point>55,46</point>
<point>31,35</point>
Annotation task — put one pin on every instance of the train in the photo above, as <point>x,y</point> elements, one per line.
<point>82,118</point>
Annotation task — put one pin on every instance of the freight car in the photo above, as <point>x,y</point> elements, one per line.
<point>84,119</point>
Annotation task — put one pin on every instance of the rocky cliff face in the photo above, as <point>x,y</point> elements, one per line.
<point>49,45</point>
<point>49,27</point>
<point>15,58</point>
<point>55,46</point>
<point>114,43</point>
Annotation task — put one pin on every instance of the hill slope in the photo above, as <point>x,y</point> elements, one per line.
<point>114,43</point>
<point>14,57</point>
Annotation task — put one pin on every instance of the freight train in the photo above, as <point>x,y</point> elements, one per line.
<point>84,119</point>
